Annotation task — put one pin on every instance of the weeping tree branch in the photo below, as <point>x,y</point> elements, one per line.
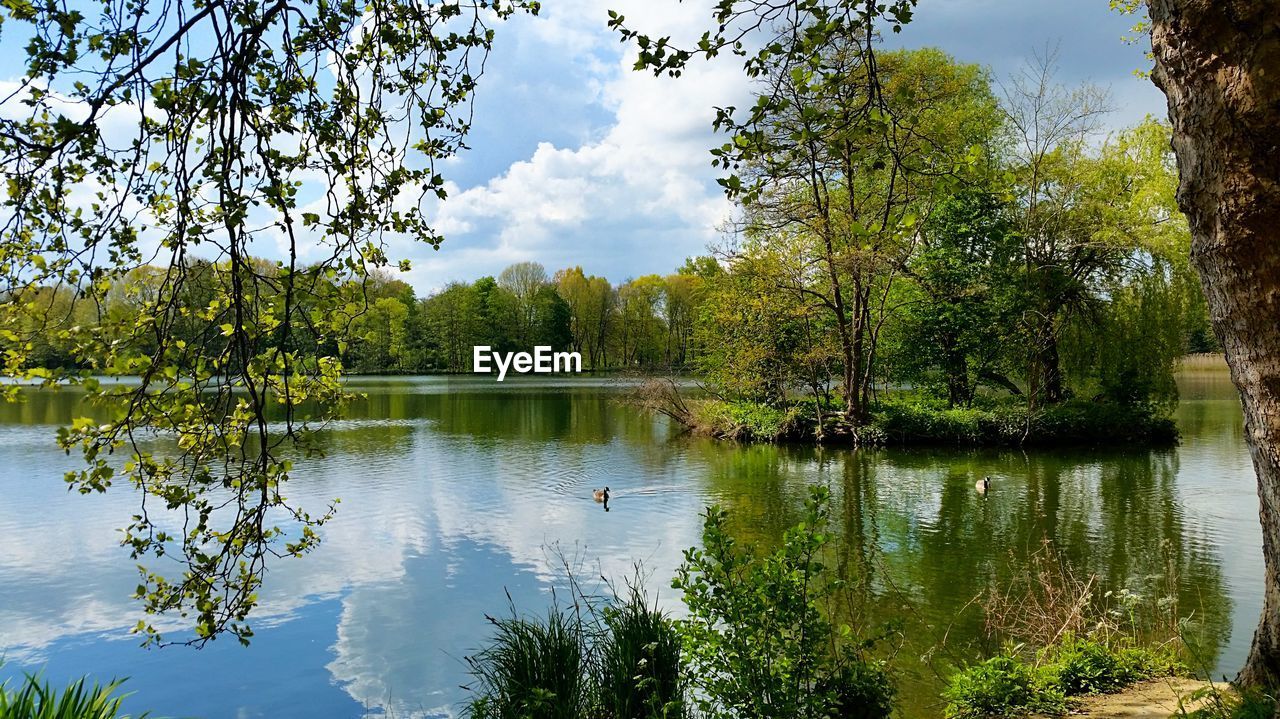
<point>151,153</point>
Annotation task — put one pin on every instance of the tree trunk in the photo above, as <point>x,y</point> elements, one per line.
<point>956,367</point>
<point>1218,62</point>
<point>1051,368</point>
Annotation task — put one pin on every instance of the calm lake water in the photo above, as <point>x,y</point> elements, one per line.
<point>456,492</point>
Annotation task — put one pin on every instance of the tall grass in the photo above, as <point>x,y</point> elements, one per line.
<point>1212,361</point>
<point>35,699</point>
<point>534,669</point>
<point>640,662</point>
<point>615,659</point>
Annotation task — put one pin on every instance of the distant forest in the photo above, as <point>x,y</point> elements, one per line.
<point>646,322</point>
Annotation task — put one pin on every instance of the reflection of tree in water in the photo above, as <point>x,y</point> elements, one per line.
<point>919,543</point>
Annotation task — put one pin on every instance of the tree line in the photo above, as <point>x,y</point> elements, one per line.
<point>643,323</point>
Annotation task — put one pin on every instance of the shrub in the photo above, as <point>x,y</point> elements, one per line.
<point>1003,686</point>
<point>1007,686</point>
<point>756,643</point>
<point>859,690</point>
<point>918,421</point>
<point>79,700</point>
<point>1088,666</point>
<point>741,420</point>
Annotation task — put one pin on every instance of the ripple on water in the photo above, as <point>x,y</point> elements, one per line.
<point>460,492</point>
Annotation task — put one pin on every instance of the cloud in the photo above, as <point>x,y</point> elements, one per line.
<point>635,200</point>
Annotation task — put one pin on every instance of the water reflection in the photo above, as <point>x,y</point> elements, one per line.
<point>454,490</point>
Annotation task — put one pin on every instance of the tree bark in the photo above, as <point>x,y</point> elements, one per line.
<point>1218,62</point>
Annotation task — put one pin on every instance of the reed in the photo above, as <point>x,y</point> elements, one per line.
<point>533,668</point>
<point>640,662</point>
<point>34,699</point>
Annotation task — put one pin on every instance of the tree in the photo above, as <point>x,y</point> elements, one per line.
<point>682,295</point>
<point>591,303</point>
<point>1127,344</point>
<point>1219,65</point>
<point>845,191</point>
<point>638,327</point>
<point>453,319</point>
<point>959,325</point>
<point>1051,126</point>
<point>226,106</point>
<point>757,343</point>
<point>524,280</point>
<point>552,318</point>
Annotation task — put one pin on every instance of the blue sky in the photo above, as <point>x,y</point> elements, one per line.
<point>577,160</point>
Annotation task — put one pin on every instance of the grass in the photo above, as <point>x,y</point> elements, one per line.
<point>533,668</point>
<point>640,663</point>
<point>620,660</point>
<point>1009,685</point>
<point>1208,361</point>
<point>1225,702</point>
<point>35,699</point>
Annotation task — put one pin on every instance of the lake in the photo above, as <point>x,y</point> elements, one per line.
<point>459,491</point>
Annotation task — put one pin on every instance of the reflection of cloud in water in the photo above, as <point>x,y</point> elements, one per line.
<point>496,510</point>
<point>458,498</point>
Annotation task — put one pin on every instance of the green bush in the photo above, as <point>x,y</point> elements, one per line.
<point>1007,685</point>
<point>79,700</point>
<point>1087,666</point>
<point>743,420</point>
<point>757,643</point>
<point>859,690</point>
<point>1003,686</point>
<point>918,421</point>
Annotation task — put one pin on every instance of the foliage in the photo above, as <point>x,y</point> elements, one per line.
<point>1002,686</point>
<point>390,330</point>
<point>906,421</point>
<point>1009,686</point>
<point>1083,665</point>
<point>147,150</point>
<point>740,420</point>
<point>989,248</point>
<point>756,641</point>
<point>35,699</point>
<point>950,338</point>
<point>640,675</point>
<point>1226,702</point>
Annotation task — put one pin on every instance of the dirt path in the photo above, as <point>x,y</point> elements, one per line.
<point>1157,699</point>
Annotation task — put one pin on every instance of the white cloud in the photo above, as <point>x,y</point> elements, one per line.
<point>637,199</point>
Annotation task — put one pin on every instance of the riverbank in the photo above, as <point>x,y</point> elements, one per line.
<point>1151,699</point>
